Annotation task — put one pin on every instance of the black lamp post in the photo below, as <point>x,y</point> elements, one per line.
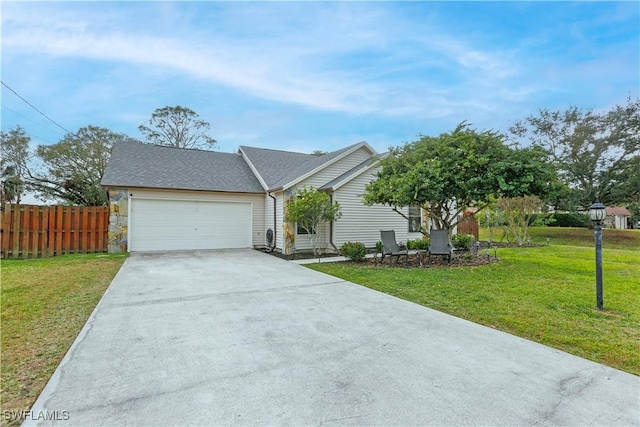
<point>598,213</point>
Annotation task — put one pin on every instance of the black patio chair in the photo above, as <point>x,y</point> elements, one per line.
<point>439,244</point>
<point>390,247</point>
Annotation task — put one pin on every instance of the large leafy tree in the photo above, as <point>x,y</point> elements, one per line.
<point>14,156</point>
<point>178,127</point>
<point>447,174</point>
<point>309,208</point>
<point>597,154</point>
<point>71,169</point>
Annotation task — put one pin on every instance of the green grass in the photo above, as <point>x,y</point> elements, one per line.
<point>612,239</point>
<point>45,303</point>
<point>545,294</point>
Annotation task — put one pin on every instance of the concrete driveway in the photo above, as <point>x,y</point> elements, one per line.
<point>240,337</point>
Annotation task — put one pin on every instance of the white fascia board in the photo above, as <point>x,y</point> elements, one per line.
<point>253,169</point>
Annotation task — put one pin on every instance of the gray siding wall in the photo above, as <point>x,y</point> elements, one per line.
<point>336,169</point>
<point>360,223</point>
<point>279,214</point>
<point>268,216</point>
<point>303,242</point>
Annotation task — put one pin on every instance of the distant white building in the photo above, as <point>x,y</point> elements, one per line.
<point>618,217</point>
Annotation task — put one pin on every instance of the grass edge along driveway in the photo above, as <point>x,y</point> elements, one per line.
<point>544,294</point>
<point>45,302</point>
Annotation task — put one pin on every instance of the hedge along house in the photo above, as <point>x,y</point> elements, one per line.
<point>164,198</point>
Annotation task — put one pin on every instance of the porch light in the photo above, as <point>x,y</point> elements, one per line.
<point>598,213</point>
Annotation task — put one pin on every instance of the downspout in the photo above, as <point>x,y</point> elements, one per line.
<point>331,228</point>
<point>275,229</point>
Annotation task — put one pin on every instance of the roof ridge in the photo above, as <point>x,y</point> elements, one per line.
<point>347,148</point>
<point>171,146</point>
<point>306,154</point>
<point>273,149</point>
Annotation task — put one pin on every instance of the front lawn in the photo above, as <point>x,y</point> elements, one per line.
<point>45,303</point>
<point>611,238</point>
<point>545,294</point>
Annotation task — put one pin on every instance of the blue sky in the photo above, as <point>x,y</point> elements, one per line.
<point>313,75</point>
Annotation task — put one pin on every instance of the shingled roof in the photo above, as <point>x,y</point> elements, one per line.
<point>618,211</point>
<point>272,165</point>
<point>143,165</point>
<point>279,168</point>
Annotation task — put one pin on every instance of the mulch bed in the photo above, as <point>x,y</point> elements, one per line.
<point>471,258</point>
<point>459,259</point>
<point>298,255</point>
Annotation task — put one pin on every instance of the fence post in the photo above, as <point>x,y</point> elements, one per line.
<point>96,212</point>
<point>34,230</point>
<point>44,231</point>
<point>16,231</point>
<point>102,227</point>
<point>6,228</point>
<point>51,229</point>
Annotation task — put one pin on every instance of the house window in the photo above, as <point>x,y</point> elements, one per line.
<point>300,229</point>
<point>415,219</point>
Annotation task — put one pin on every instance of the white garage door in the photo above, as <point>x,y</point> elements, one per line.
<point>165,225</point>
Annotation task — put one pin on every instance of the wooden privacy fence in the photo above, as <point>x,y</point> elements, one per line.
<point>31,231</point>
<point>469,225</point>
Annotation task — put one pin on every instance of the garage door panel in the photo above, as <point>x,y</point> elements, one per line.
<point>182,225</point>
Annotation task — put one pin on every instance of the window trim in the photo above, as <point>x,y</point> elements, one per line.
<point>411,222</point>
<point>301,231</point>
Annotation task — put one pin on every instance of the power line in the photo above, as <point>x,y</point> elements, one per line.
<point>32,121</point>
<point>32,106</point>
<point>30,134</point>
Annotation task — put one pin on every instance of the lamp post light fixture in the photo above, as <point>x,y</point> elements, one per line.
<point>598,213</point>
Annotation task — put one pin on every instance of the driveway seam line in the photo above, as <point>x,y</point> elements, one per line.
<point>222,294</point>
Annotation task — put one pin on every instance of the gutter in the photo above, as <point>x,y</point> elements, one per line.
<point>275,239</point>
<point>331,228</point>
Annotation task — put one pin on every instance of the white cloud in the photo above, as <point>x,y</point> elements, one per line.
<point>305,64</point>
<point>377,63</point>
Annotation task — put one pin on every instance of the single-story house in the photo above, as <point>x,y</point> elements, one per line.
<point>617,217</point>
<point>165,198</point>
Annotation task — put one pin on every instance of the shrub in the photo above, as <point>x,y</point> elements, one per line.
<point>379,246</point>
<point>424,243</point>
<point>462,241</point>
<point>571,220</point>
<point>355,251</point>
<point>420,244</point>
<point>543,220</point>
